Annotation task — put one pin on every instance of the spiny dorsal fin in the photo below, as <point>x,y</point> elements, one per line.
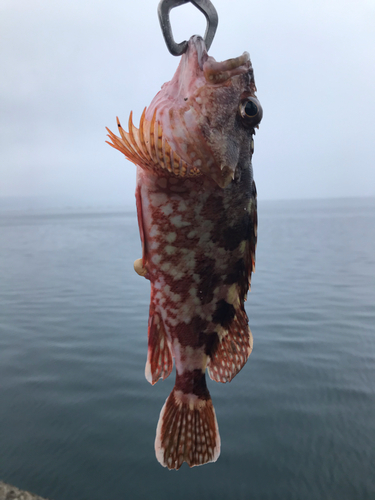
<point>148,148</point>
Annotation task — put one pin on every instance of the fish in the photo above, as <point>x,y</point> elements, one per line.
<point>197,214</point>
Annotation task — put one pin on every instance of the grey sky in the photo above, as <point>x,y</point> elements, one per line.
<point>68,67</point>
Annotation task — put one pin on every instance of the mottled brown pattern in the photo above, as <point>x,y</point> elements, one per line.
<point>192,382</point>
<point>232,236</point>
<point>205,268</point>
<point>224,313</point>
<point>240,275</point>
<point>193,334</point>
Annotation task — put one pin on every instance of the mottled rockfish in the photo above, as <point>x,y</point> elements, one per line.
<point>197,216</point>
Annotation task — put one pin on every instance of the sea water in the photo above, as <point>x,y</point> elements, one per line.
<point>78,418</point>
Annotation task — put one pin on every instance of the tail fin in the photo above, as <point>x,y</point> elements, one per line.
<point>187,430</point>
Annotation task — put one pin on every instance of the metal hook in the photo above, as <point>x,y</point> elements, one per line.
<point>205,6</point>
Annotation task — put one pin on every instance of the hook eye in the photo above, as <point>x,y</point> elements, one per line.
<point>205,6</point>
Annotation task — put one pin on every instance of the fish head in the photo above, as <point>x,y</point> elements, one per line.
<point>208,112</point>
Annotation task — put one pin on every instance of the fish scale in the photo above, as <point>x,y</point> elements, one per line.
<point>197,215</point>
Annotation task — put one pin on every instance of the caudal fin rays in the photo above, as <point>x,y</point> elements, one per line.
<point>187,431</point>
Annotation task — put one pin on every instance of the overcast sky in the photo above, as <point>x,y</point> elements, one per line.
<point>68,67</point>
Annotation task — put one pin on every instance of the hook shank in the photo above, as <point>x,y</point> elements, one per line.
<point>205,6</point>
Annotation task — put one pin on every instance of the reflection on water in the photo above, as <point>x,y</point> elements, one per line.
<point>77,417</point>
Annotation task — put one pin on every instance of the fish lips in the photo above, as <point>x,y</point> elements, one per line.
<point>215,72</point>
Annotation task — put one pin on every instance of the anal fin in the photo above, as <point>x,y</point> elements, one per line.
<point>159,358</point>
<point>232,351</point>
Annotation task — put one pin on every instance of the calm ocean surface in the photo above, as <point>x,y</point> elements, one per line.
<point>78,418</point>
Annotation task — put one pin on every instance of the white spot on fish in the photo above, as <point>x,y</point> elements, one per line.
<point>158,199</point>
<point>242,246</point>
<point>158,285</point>
<point>170,250</point>
<point>156,259</point>
<point>175,297</point>
<point>178,222</point>
<point>232,295</point>
<point>192,234</point>
<point>186,313</point>
<point>182,206</point>
<point>176,274</point>
<point>167,209</point>
<point>154,231</point>
<point>165,267</point>
<point>172,321</point>
<point>171,237</point>
<point>189,258</point>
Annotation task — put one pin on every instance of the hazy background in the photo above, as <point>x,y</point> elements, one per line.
<point>68,67</point>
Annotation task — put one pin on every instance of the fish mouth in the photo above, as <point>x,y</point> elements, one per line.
<point>216,72</point>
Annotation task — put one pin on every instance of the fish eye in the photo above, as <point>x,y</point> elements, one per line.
<point>251,111</point>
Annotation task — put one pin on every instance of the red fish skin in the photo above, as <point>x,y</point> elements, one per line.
<point>197,215</point>
<point>197,239</point>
